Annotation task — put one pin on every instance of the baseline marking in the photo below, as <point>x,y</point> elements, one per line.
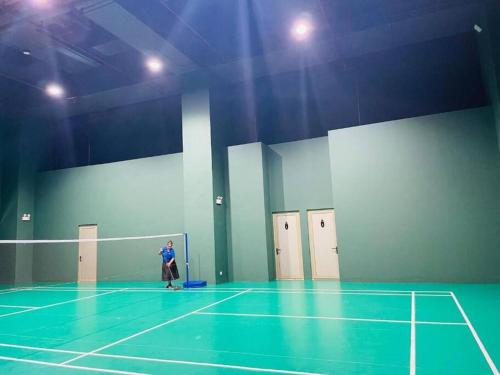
<point>19,307</point>
<point>153,328</point>
<point>476,336</point>
<point>328,318</point>
<point>13,359</point>
<point>408,292</point>
<point>221,290</point>
<point>20,289</point>
<point>160,360</point>
<point>15,290</point>
<point>59,303</point>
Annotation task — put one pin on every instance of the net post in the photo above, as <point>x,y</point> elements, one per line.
<point>186,250</point>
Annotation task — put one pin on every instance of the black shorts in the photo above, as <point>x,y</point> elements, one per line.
<point>168,275</point>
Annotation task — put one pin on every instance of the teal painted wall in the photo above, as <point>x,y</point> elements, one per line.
<point>27,167</point>
<point>268,216</point>
<point>227,204</point>
<point>199,218</point>
<point>219,182</point>
<point>417,199</point>
<point>219,175</point>
<point>249,229</point>
<point>489,48</point>
<point>494,34</point>
<point>299,180</point>
<point>8,200</point>
<point>20,157</point>
<point>130,198</point>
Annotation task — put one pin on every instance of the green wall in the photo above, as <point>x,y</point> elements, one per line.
<point>8,201</point>
<point>199,218</point>
<point>19,161</point>
<point>130,198</point>
<point>220,225</point>
<point>489,51</point>
<point>417,199</point>
<point>299,180</point>
<point>249,207</point>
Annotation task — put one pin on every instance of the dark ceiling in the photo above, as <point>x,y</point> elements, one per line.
<point>96,48</point>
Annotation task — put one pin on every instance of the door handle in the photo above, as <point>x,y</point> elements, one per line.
<point>336,249</point>
<point>277,251</point>
<point>80,258</point>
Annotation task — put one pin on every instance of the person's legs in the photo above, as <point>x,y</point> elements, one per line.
<point>169,277</point>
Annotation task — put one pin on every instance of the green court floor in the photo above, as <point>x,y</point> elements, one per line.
<point>276,327</point>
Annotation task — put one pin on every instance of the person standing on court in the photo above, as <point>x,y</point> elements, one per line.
<point>169,269</point>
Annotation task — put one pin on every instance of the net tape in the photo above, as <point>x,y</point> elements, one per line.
<point>27,242</point>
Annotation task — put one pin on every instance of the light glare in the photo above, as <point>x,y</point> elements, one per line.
<point>54,90</point>
<point>154,64</point>
<point>41,3</point>
<point>301,29</point>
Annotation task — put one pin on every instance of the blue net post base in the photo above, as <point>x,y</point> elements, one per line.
<point>194,284</point>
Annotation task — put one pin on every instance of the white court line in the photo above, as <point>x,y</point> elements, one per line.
<point>476,336</point>
<point>343,290</point>
<point>157,290</point>
<point>221,290</point>
<point>15,290</point>
<point>413,350</point>
<point>20,289</point>
<point>13,359</point>
<point>105,239</point>
<point>329,318</point>
<point>447,292</point>
<point>160,360</point>
<point>441,323</point>
<point>306,317</point>
<point>403,294</point>
<point>162,290</point>
<point>19,307</point>
<point>153,328</point>
<point>59,303</point>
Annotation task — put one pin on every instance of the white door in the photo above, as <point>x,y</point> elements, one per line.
<point>288,246</point>
<point>87,253</point>
<point>323,244</point>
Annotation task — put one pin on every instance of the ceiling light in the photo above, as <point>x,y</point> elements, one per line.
<point>26,52</point>
<point>302,28</point>
<point>54,90</point>
<point>41,3</point>
<point>154,64</point>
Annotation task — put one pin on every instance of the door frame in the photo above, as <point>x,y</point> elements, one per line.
<point>312,249</point>
<point>79,254</point>
<point>299,242</point>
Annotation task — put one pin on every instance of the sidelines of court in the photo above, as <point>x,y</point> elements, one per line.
<point>81,368</point>
<point>19,307</point>
<point>20,289</point>
<point>305,317</point>
<point>413,338</point>
<point>160,360</point>
<point>256,289</point>
<point>59,303</point>
<point>263,290</point>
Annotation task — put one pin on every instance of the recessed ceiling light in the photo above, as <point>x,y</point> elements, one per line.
<point>302,28</point>
<point>26,52</point>
<point>154,64</point>
<point>54,90</point>
<point>42,3</point>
